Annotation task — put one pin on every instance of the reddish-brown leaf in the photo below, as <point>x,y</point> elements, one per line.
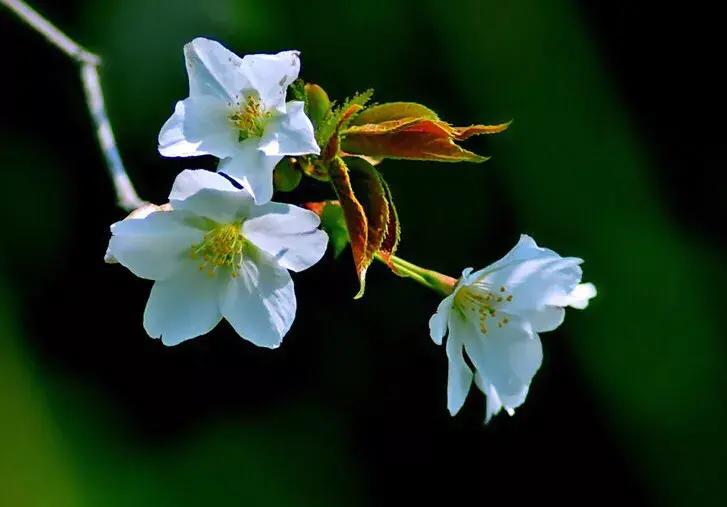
<point>462,133</point>
<point>365,209</point>
<point>369,189</point>
<point>353,212</point>
<point>414,138</point>
<point>393,228</point>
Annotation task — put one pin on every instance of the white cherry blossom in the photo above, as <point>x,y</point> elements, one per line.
<point>494,315</point>
<point>236,111</point>
<point>214,253</point>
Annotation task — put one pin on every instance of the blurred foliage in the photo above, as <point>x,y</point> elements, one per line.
<point>571,171</point>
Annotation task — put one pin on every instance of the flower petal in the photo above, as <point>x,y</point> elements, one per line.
<point>253,169</point>
<point>190,181</point>
<point>260,303</point>
<point>221,206</point>
<point>141,212</point>
<point>466,274</point>
<point>439,321</point>
<point>290,133</point>
<point>210,195</point>
<point>152,247</point>
<point>214,70</point>
<point>546,319</point>
<point>459,377</point>
<point>183,306</point>
<point>289,234</point>
<point>507,358</point>
<point>579,297</point>
<point>525,249</point>
<point>270,76</point>
<point>493,405</point>
<point>534,276</point>
<point>535,283</point>
<point>199,126</point>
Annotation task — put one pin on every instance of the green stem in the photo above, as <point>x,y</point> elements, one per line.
<point>442,284</point>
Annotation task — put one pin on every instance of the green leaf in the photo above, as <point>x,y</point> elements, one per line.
<point>359,100</point>
<point>296,91</point>
<point>339,117</point>
<point>393,111</point>
<point>334,223</point>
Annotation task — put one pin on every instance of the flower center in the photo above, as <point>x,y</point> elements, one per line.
<point>484,301</point>
<point>250,118</point>
<point>221,248</point>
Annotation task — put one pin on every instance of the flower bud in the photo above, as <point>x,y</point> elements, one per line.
<point>317,102</point>
<point>286,175</point>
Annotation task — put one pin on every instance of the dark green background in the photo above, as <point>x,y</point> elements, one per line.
<point>613,156</point>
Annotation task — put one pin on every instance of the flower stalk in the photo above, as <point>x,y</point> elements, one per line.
<point>438,282</point>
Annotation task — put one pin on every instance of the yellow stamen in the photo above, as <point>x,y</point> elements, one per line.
<point>250,118</point>
<point>221,248</point>
<point>484,301</point>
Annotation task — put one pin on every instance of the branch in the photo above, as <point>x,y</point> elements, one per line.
<point>126,196</point>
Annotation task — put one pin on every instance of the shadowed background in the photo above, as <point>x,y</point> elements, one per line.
<point>613,156</point>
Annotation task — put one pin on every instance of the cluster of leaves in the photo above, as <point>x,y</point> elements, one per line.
<point>335,118</point>
<point>354,138</point>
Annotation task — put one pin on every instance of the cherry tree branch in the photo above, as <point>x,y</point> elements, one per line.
<point>126,196</point>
